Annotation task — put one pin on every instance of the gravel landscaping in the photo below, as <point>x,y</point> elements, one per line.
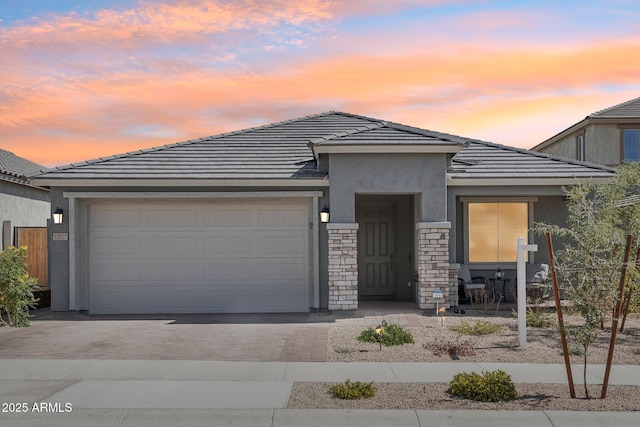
<point>543,346</point>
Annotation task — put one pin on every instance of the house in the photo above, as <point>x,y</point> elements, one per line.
<point>610,136</point>
<point>232,222</point>
<point>22,204</point>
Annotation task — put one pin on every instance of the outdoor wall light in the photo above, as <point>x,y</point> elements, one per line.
<point>57,216</point>
<point>324,215</point>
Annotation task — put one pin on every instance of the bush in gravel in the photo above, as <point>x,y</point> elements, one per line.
<point>352,391</point>
<point>392,334</point>
<point>458,346</point>
<point>537,318</point>
<point>493,386</point>
<point>481,327</point>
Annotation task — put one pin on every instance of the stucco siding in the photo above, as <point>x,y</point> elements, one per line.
<point>352,174</point>
<point>23,206</point>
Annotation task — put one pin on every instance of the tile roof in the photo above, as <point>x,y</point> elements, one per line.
<point>15,168</point>
<point>282,151</point>
<point>275,151</point>
<point>481,159</point>
<point>626,110</point>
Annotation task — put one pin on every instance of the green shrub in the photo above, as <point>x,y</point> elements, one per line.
<point>16,288</point>
<point>392,334</point>
<point>459,347</point>
<point>574,350</point>
<point>481,327</point>
<point>537,318</point>
<point>493,386</point>
<point>352,391</point>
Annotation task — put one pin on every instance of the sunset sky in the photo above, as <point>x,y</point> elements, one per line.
<point>82,79</point>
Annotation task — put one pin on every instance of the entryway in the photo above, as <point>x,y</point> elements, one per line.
<point>385,247</point>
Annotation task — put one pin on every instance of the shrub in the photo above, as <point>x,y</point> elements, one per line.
<point>16,288</point>
<point>392,334</point>
<point>352,391</point>
<point>537,318</point>
<point>458,347</point>
<point>481,327</point>
<point>493,386</point>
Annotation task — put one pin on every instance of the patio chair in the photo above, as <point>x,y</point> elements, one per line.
<point>537,281</point>
<point>470,287</point>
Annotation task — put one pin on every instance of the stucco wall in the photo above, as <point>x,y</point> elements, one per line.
<point>23,206</point>
<point>602,144</point>
<point>352,174</point>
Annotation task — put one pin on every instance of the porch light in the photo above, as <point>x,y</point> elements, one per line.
<point>324,215</point>
<point>57,216</point>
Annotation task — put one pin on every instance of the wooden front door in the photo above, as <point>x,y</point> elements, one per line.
<point>375,251</point>
<point>35,239</point>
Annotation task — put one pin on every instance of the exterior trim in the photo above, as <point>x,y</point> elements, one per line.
<point>504,182</point>
<point>386,149</point>
<point>133,182</point>
<point>186,195</point>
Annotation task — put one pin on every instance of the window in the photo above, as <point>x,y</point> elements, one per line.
<point>494,229</point>
<point>580,147</point>
<point>631,145</point>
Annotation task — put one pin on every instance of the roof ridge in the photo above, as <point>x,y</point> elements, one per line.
<point>608,109</point>
<point>182,143</point>
<point>543,155</point>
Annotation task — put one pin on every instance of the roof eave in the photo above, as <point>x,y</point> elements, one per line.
<point>453,181</point>
<point>386,148</point>
<point>187,182</point>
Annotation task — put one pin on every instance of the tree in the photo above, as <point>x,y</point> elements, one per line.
<point>16,287</point>
<point>599,217</point>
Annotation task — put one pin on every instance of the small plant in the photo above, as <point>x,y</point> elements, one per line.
<point>391,334</point>
<point>574,350</point>
<point>452,347</point>
<point>493,386</point>
<point>537,318</point>
<point>481,327</point>
<point>353,391</point>
<point>16,288</point>
<point>637,351</point>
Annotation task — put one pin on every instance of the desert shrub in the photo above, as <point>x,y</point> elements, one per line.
<point>16,288</point>
<point>481,327</point>
<point>392,334</point>
<point>538,318</point>
<point>352,391</point>
<point>493,386</point>
<point>449,346</point>
<point>574,350</point>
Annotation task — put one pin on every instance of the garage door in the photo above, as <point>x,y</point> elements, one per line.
<point>198,257</point>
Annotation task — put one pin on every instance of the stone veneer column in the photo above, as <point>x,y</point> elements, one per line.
<point>433,263</point>
<point>343,266</point>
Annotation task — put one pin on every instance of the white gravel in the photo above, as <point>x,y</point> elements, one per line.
<point>543,347</point>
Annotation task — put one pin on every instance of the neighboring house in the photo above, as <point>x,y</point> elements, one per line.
<point>22,204</point>
<point>232,223</point>
<point>610,136</point>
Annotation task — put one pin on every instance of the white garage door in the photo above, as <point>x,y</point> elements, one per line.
<point>197,257</point>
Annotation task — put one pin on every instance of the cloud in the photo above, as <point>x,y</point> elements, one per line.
<point>116,81</point>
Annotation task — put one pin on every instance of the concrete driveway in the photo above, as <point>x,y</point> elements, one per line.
<point>231,337</point>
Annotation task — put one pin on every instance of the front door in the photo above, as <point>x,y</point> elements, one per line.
<point>375,251</point>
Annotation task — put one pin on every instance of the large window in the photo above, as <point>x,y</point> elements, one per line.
<point>494,229</point>
<point>631,145</point>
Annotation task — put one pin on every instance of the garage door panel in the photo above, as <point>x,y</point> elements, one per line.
<point>108,273</point>
<point>226,217</point>
<point>290,217</point>
<point>118,246</point>
<point>172,245</point>
<point>227,245</point>
<point>116,218</point>
<point>172,218</point>
<point>205,257</point>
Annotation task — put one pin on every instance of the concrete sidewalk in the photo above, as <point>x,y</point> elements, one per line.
<point>193,393</point>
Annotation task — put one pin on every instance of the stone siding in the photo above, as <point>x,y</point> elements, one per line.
<point>433,263</point>
<point>343,266</point>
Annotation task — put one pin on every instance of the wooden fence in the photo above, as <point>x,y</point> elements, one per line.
<point>35,239</point>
